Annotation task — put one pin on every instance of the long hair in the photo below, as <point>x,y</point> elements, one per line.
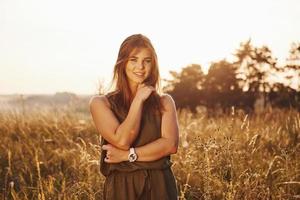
<point>120,79</point>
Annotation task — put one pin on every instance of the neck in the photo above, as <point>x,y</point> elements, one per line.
<point>133,89</point>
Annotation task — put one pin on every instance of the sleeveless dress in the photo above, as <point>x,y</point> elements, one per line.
<point>138,180</point>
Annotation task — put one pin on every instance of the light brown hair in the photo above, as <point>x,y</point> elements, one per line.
<point>129,45</point>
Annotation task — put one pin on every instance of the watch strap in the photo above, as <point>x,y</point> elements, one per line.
<point>131,150</point>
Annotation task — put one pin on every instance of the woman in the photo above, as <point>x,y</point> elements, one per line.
<point>138,127</point>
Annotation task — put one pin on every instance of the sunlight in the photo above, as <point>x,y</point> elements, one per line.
<point>69,46</point>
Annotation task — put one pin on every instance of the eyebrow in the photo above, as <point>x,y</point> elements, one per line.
<point>137,57</point>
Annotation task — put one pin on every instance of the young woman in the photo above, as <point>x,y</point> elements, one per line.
<point>138,127</point>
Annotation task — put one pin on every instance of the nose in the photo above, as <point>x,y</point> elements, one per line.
<point>140,65</point>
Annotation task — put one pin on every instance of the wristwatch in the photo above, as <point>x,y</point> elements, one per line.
<point>132,155</point>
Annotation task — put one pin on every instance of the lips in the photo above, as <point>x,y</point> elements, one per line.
<point>139,74</point>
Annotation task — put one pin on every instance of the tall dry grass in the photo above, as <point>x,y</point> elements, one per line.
<point>54,154</point>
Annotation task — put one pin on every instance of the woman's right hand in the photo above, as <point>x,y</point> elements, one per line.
<point>144,91</point>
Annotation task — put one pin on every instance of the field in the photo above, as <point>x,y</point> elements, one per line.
<point>53,153</point>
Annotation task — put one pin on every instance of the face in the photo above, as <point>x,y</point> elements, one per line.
<point>139,66</point>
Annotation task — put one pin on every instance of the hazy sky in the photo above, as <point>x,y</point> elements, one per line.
<point>68,45</point>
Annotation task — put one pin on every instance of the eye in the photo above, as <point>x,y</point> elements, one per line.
<point>132,59</point>
<point>148,61</point>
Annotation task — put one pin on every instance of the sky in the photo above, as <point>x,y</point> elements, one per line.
<point>63,45</point>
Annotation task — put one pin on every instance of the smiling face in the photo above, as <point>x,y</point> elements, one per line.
<point>138,66</point>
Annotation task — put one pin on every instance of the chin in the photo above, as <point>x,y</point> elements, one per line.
<point>139,81</point>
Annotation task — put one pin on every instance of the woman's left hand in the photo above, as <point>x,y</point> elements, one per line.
<point>114,155</point>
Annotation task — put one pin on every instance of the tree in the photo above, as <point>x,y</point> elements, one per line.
<point>221,86</point>
<point>256,66</point>
<point>186,87</point>
<point>293,65</point>
<point>284,96</point>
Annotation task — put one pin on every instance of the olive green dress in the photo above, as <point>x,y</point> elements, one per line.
<point>138,180</point>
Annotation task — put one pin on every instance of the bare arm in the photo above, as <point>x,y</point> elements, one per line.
<point>168,142</point>
<point>121,135</point>
<point>157,149</point>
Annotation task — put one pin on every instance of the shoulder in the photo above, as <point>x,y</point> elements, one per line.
<point>98,101</point>
<point>166,98</point>
<point>167,101</point>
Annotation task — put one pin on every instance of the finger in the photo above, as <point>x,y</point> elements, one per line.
<point>107,146</point>
<point>151,88</point>
<point>104,147</point>
<point>106,160</point>
<point>109,160</point>
<point>141,85</point>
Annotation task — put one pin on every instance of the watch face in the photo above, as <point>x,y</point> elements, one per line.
<point>132,157</point>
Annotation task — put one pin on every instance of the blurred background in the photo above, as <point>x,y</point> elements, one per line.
<point>233,53</point>
<point>232,67</point>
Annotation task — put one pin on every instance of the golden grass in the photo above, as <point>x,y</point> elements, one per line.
<point>54,154</point>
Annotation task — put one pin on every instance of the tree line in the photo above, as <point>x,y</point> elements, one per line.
<point>255,77</point>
